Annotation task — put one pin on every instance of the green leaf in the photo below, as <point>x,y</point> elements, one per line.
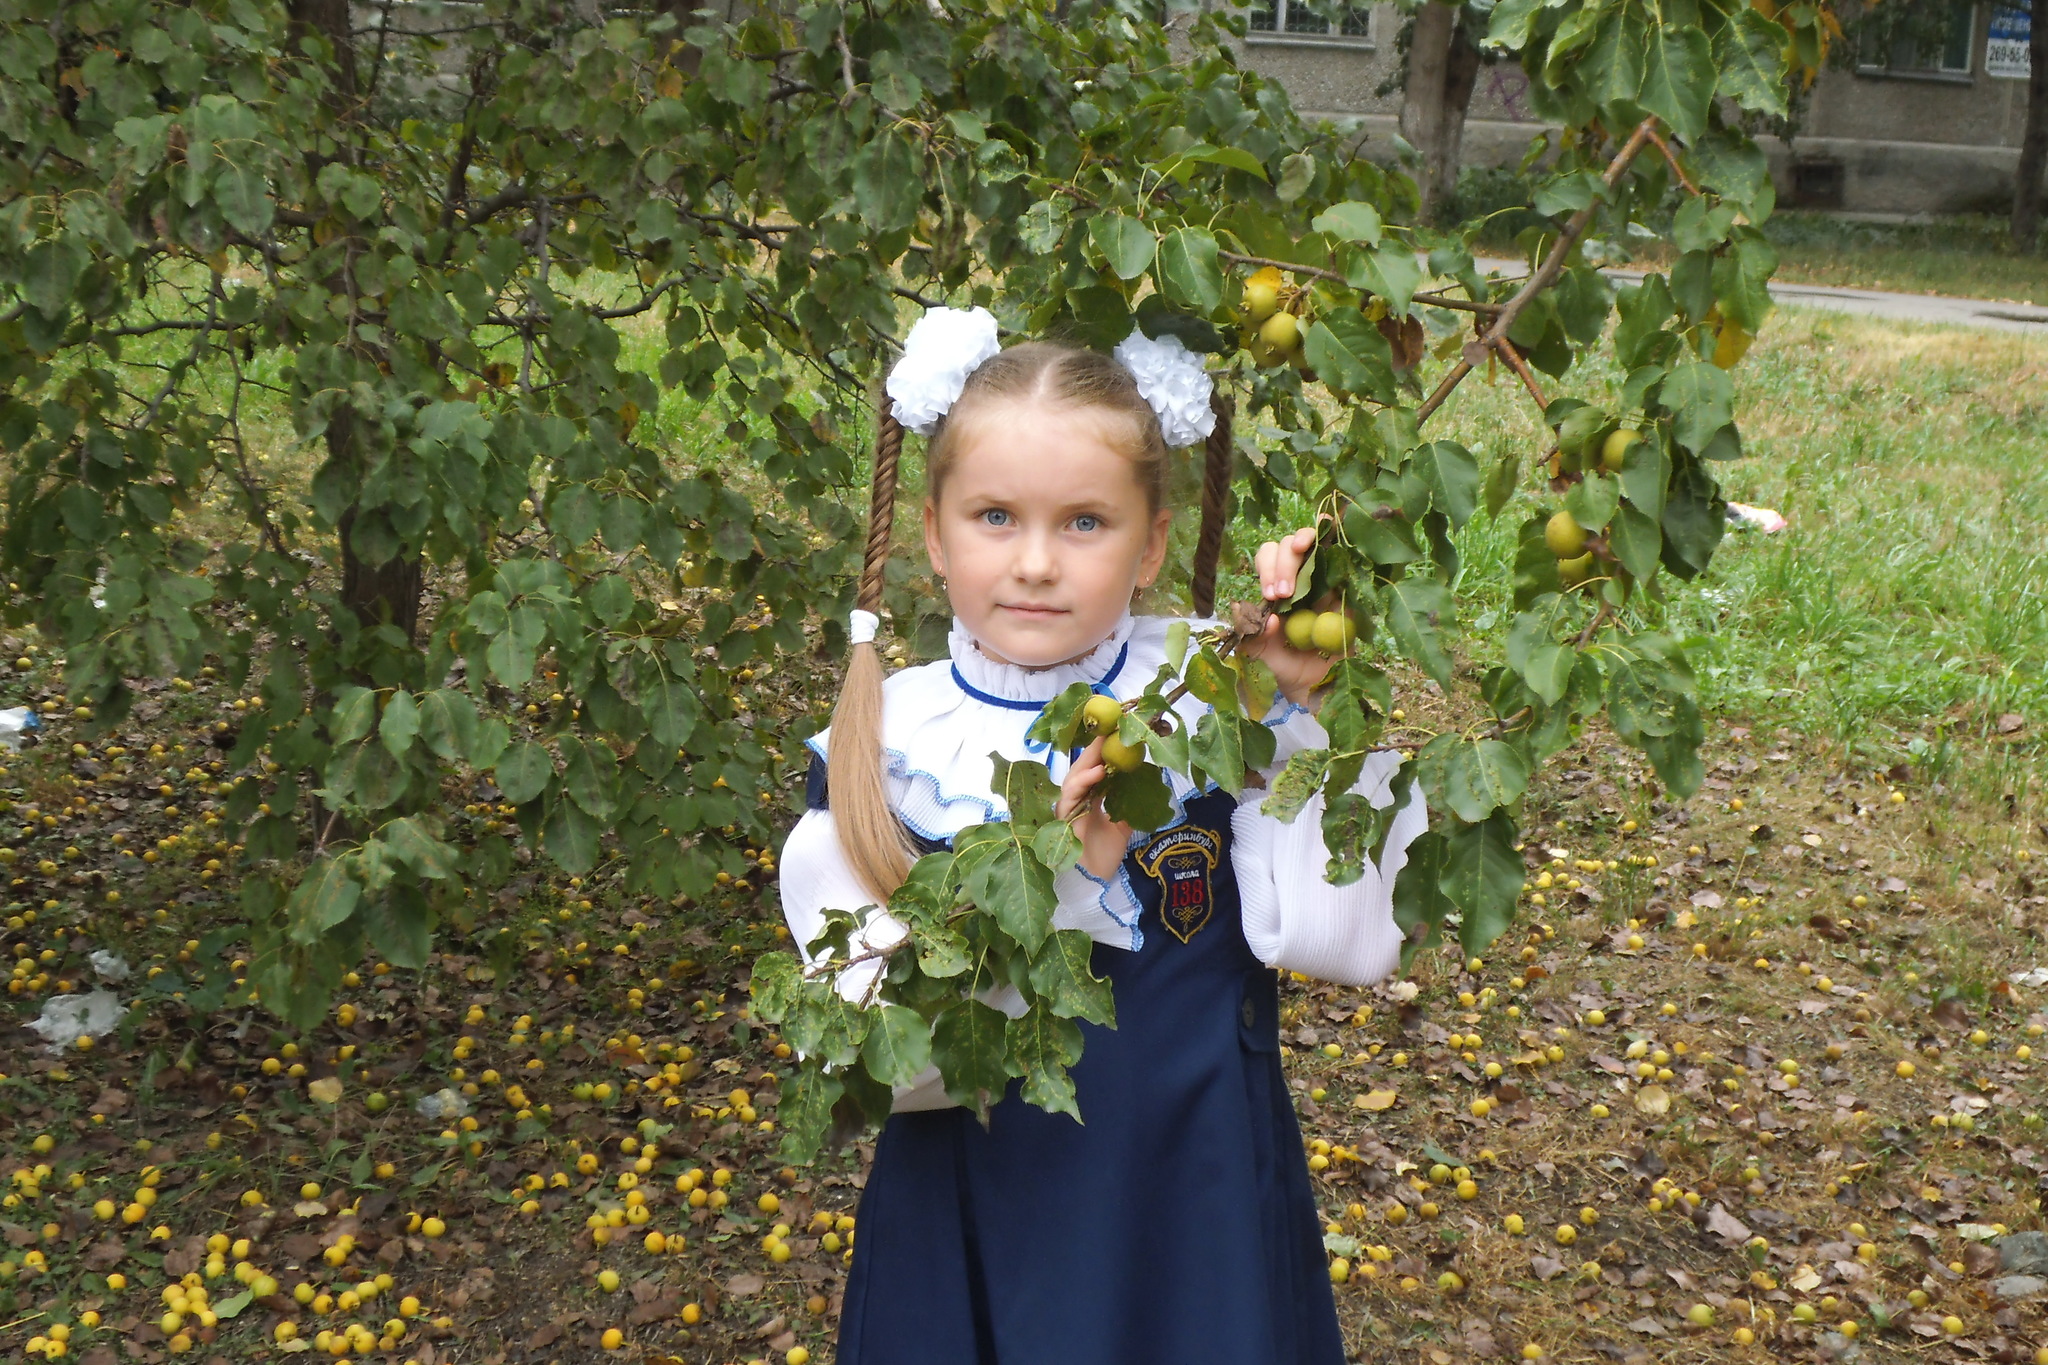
<point>230,1308</point>
<point>1138,798</point>
<point>401,721</point>
<point>1592,501</point>
<point>1389,270</point>
<point>1063,975</point>
<point>1002,876</point>
<point>1701,398</point>
<point>1678,78</point>
<point>888,181</point>
<point>1413,610</point>
<point>1190,272</point>
<point>1056,845</point>
<point>1025,789</point>
<point>447,722</point>
<point>1296,784</point>
<point>941,951</point>
<point>1645,470</point>
<point>805,1112</point>
<point>1749,54</point>
<point>898,1046</point>
<point>1501,481</point>
<point>1420,903</point>
<point>1043,1046</point>
<point>412,844</point>
<point>1350,356</point>
<point>355,711</point>
<point>243,196</point>
<point>1512,22</point>
<point>1453,478</point>
<point>1483,875</point>
<point>570,836</point>
<point>778,982</point>
<point>1297,173</point>
<point>1218,746</point>
<point>1636,542</point>
<point>1350,221</point>
<point>1484,776</point>
<point>1126,244</point>
<point>970,1043</point>
<point>523,772</point>
<point>323,900</point>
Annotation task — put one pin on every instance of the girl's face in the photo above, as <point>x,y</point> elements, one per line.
<point>1043,534</point>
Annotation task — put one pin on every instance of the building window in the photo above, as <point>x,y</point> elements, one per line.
<point>1927,38</point>
<point>1305,20</point>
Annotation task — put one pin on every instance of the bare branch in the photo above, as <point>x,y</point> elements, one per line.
<point>1672,157</point>
<point>1520,366</point>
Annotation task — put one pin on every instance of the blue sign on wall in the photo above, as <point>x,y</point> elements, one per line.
<point>2006,51</point>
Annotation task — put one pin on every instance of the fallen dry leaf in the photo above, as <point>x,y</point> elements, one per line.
<point>1376,1100</point>
<point>1653,1100</point>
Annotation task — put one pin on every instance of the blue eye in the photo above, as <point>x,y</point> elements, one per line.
<point>1085,522</point>
<point>994,516</point>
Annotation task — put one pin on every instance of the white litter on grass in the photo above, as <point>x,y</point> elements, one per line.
<point>15,723</point>
<point>2032,976</point>
<point>110,966</point>
<point>67,1018</point>
<point>1747,518</point>
<point>1404,991</point>
<point>443,1104</point>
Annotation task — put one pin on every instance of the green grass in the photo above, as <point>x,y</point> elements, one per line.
<point>1906,608</point>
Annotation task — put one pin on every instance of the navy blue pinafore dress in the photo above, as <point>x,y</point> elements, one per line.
<point>1176,1225</point>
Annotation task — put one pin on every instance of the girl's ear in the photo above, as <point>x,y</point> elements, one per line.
<point>1155,548</point>
<point>933,550</point>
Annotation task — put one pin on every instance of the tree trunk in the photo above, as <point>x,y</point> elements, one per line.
<point>1443,69</point>
<point>2027,188</point>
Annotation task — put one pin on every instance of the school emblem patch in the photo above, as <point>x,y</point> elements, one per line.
<point>1182,860</point>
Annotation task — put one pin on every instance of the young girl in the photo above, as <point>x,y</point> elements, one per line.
<point>1176,1222</point>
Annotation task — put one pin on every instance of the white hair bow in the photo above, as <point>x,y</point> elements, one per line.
<point>948,344</point>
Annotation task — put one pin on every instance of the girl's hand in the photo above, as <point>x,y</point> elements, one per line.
<point>1103,840</point>
<point>1300,671</point>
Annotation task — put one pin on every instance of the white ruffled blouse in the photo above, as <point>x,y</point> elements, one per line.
<point>940,722</point>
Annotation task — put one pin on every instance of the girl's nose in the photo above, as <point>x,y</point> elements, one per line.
<point>1037,561</point>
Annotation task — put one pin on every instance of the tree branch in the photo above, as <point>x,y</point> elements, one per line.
<point>1314,272</point>
<point>1545,275</point>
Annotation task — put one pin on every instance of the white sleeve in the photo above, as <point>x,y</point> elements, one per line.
<point>1293,918</point>
<point>816,877</point>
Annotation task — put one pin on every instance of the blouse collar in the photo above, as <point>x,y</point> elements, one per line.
<point>1013,683</point>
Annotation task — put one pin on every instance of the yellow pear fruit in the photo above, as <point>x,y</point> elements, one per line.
<point>1102,714</point>
<point>1120,757</point>
<point>1299,627</point>
<point>1282,332</point>
<point>1261,300</point>
<point>1564,535</point>
<point>1572,572</point>
<point>1333,632</point>
<point>1615,449</point>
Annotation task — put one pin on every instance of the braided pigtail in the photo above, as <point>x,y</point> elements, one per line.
<point>1217,456</point>
<point>871,836</point>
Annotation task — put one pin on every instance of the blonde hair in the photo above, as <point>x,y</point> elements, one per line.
<point>877,846</point>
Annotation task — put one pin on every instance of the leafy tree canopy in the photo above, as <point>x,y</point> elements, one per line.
<point>419,249</point>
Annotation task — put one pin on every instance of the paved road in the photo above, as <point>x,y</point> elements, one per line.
<point>1934,308</point>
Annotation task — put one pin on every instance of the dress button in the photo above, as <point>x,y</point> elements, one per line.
<point>1247,1012</point>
